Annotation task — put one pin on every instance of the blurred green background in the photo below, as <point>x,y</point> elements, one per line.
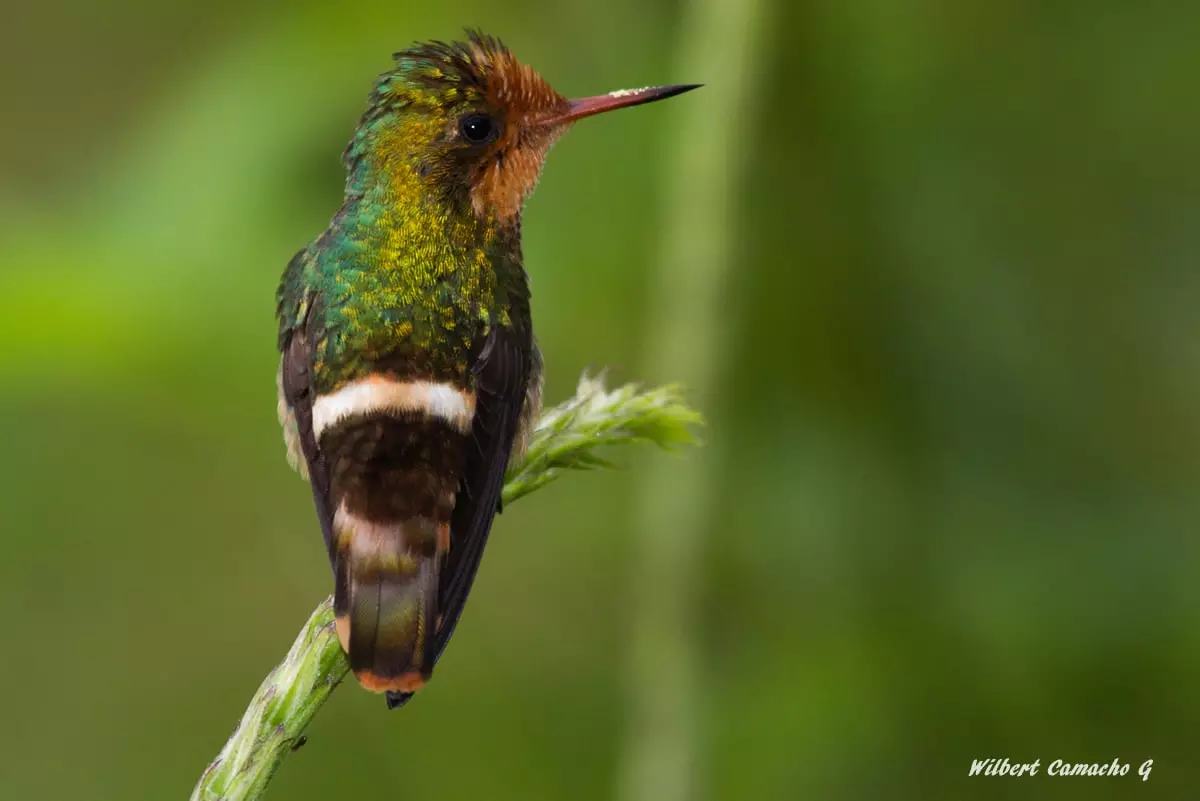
<point>946,336</point>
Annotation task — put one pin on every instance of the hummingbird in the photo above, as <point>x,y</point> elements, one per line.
<point>409,374</point>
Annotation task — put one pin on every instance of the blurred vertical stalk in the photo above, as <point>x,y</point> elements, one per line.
<point>722,46</point>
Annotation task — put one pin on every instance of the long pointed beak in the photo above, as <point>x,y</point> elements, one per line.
<point>587,106</point>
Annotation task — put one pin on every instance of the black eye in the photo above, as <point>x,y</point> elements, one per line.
<point>478,128</point>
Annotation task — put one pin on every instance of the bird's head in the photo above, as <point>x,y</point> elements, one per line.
<point>469,120</point>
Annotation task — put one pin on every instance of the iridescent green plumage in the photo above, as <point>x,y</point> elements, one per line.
<point>390,285</point>
<point>409,260</point>
<point>409,367</point>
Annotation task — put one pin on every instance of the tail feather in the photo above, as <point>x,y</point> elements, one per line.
<point>394,451</point>
<point>385,600</point>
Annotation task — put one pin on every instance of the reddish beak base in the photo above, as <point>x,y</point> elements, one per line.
<point>587,106</point>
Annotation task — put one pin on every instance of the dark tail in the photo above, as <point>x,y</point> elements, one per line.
<point>393,478</point>
<point>385,600</point>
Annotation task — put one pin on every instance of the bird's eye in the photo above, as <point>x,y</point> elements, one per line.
<point>478,129</point>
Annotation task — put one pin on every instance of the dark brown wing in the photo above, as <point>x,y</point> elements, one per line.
<point>501,375</point>
<point>297,391</point>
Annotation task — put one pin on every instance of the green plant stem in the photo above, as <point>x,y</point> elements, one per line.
<point>567,437</point>
<point>726,45</point>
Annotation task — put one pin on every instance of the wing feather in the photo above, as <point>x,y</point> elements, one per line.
<point>298,393</point>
